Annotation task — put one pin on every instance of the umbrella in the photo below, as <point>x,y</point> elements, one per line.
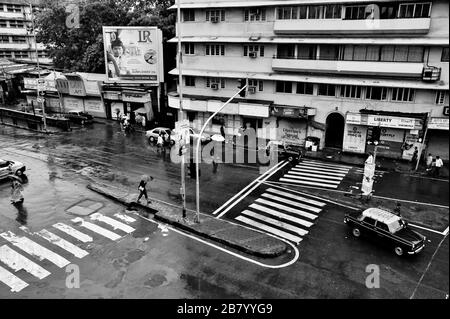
<point>217,138</point>
<point>145,178</point>
<point>16,178</point>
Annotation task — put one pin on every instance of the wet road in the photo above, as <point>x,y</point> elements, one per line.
<point>155,262</point>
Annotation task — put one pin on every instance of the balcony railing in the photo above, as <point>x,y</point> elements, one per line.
<point>285,57</point>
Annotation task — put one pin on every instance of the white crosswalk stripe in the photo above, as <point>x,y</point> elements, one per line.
<point>17,262</point>
<point>34,249</point>
<point>112,222</point>
<point>62,243</point>
<point>318,174</point>
<point>283,214</point>
<point>73,232</point>
<point>97,229</point>
<point>16,284</point>
<point>125,218</point>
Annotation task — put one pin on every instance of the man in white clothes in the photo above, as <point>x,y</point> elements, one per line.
<point>439,164</point>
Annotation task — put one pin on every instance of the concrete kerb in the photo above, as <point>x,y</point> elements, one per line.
<point>232,235</point>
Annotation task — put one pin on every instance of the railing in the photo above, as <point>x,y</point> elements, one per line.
<point>282,57</point>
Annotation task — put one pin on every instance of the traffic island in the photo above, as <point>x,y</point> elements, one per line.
<point>223,232</point>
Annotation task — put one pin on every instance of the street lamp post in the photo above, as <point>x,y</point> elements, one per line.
<point>197,151</point>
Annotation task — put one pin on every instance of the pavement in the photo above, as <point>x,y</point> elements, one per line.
<point>235,236</point>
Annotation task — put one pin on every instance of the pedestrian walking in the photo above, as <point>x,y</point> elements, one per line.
<point>414,158</point>
<point>397,209</point>
<point>439,164</point>
<point>160,142</point>
<point>16,190</point>
<point>143,188</point>
<point>118,114</point>
<point>429,161</point>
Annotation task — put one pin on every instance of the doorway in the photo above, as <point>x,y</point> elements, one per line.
<point>334,135</point>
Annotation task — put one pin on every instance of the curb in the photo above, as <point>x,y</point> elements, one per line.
<point>213,235</point>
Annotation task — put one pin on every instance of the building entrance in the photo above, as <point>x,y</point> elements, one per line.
<point>334,135</point>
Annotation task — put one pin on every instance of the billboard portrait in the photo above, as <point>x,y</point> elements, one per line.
<point>133,54</point>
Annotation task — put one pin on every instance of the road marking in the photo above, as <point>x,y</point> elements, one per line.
<point>428,229</point>
<point>326,170</point>
<point>244,189</point>
<point>270,229</point>
<point>318,164</point>
<point>411,202</point>
<point>73,232</point>
<point>295,204</point>
<point>278,223</point>
<point>251,190</point>
<point>311,179</point>
<point>17,262</point>
<point>292,196</point>
<point>307,183</point>
<point>292,261</point>
<point>62,243</point>
<point>15,283</point>
<point>304,170</point>
<point>445,232</point>
<point>97,229</point>
<point>125,218</point>
<point>112,222</point>
<point>286,208</point>
<point>308,160</point>
<point>330,177</point>
<point>281,215</point>
<point>34,249</point>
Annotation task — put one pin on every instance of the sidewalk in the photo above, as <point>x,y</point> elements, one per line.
<point>226,233</point>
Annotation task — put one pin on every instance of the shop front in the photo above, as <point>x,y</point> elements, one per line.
<point>393,136</point>
<point>437,137</point>
<point>292,124</point>
<point>138,104</point>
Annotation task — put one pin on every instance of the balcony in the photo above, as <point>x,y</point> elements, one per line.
<point>398,69</point>
<point>357,27</point>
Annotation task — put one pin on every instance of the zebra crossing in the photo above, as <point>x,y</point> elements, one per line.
<point>282,213</point>
<point>315,173</point>
<point>27,253</point>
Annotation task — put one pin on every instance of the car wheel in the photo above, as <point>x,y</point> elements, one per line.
<point>82,123</point>
<point>398,251</point>
<point>172,142</point>
<point>290,158</point>
<point>356,232</point>
<point>151,139</point>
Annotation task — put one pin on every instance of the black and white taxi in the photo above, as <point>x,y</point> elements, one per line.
<point>387,228</point>
<point>9,167</point>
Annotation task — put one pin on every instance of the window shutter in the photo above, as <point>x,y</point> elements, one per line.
<point>207,49</point>
<point>223,49</point>
<point>261,51</point>
<point>207,15</point>
<point>246,15</point>
<point>245,50</point>
<point>222,83</point>
<point>263,14</point>
<point>208,82</point>
<point>261,85</point>
<point>222,15</point>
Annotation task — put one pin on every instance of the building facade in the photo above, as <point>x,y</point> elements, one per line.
<point>345,72</point>
<point>16,37</point>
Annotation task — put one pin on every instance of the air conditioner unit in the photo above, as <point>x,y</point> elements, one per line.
<point>252,89</point>
<point>215,86</point>
<point>253,54</point>
<point>431,73</point>
<point>215,19</point>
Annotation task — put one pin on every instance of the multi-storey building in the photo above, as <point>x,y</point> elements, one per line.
<point>16,37</point>
<point>347,72</point>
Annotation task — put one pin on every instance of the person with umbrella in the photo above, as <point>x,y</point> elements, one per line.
<point>16,190</point>
<point>142,188</point>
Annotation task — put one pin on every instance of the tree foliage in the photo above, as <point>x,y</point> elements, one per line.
<point>81,49</point>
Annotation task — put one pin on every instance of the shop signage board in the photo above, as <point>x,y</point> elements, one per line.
<point>355,139</point>
<point>384,121</point>
<point>439,123</point>
<point>136,97</point>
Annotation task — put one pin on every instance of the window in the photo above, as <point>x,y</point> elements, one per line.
<point>329,52</point>
<point>287,13</point>
<point>286,51</point>
<point>283,87</point>
<point>307,52</point>
<point>370,221</point>
<point>403,53</point>
<point>356,12</point>
<point>361,53</point>
<point>4,39</point>
<point>19,39</point>
<point>218,15</point>
<point>444,56</point>
<point>5,54</point>
<point>21,55</point>
<point>333,11</point>
<point>42,54</point>
<point>255,14</point>
<point>13,8</point>
<point>215,49</point>
<point>403,94</point>
<point>303,12</point>
<point>254,48</point>
<point>414,10</point>
<point>441,97</point>
<point>305,88</point>
<point>188,15</point>
<point>376,93</point>
<point>220,82</point>
<point>327,90</point>
<point>351,91</point>
<point>189,81</point>
<point>16,24</point>
<point>189,48</point>
<point>316,12</point>
<point>257,84</point>
<point>382,226</point>
<point>3,24</point>
<point>387,11</point>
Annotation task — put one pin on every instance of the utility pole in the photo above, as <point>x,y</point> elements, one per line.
<point>181,113</point>
<point>39,98</point>
<point>422,145</point>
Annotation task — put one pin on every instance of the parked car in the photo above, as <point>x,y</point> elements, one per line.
<point>79,117</point>
<point>291,152</point>
<point>9,167</point>
<point>153,134</point>
<point>387,228</point>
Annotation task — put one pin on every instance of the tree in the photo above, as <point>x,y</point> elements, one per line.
<point>81,49</point>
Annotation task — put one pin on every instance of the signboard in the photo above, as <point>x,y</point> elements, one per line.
<point>111,96</point>
<point>289,112</point>
<point>411,142</point>
<point>133,54</point>
<point>445,110</point>
<point>355,139</point>
<point>76,85</point>
<point>136,97</point>
<point>394,122</point>
<point>439,123</point>
<point>292,132</point>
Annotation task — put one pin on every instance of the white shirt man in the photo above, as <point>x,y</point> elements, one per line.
<point>439,162</point>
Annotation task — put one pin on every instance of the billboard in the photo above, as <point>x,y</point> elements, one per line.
<point>133,54</point>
